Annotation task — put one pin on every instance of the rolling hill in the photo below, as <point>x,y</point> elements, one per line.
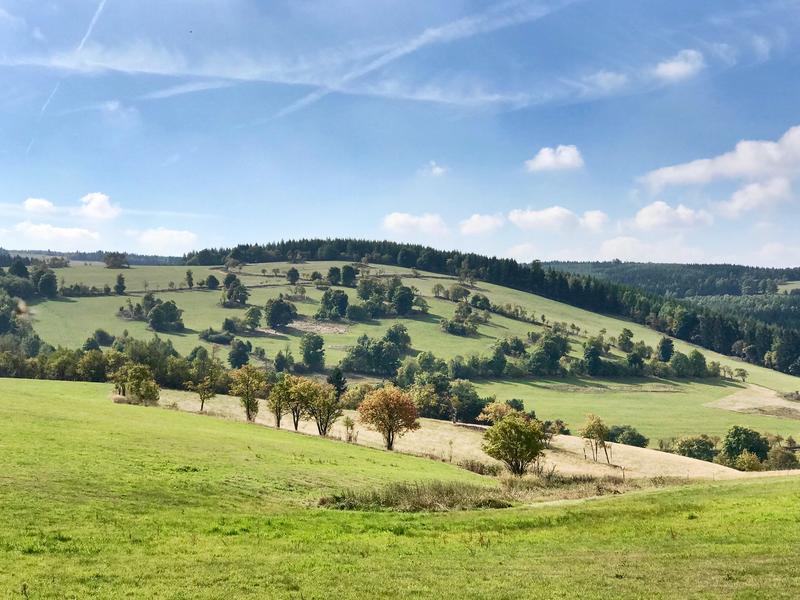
<point>664,410</point>
<point>167,504</point>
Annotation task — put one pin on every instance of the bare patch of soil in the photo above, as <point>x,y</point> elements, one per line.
<point>755,399</point>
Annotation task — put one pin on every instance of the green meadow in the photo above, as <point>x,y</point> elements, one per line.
<point>100,500</point>
<point>659,409</point>
<point>68,322</point>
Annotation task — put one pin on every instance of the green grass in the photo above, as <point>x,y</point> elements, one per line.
<point>69,322</point>
<point>104,500</point>
<point>659,409</point>
<point>789,286</point>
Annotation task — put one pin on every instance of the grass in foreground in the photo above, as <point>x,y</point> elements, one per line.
<point>104,500</point>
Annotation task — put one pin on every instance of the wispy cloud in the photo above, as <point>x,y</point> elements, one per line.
<point>186,88</point>
<point>507,14</point>
<point>98,11</point>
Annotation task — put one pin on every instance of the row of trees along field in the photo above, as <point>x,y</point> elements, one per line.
<point>682,280</point>
<point>772,346</point>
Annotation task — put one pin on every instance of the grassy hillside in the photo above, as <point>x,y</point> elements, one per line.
<point>69,321</point>
<point>660,409</point>
<point>101,499</point>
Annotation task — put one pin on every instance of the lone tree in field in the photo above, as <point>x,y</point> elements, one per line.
<point>390,411</point>
<point>292,275</point>
<point>279,313</point>
<point>248,383</point>
<point>119,286</point>
<point>313,348</point>
<point>741,373</point>
<point>516,441</point>
<point>595,432</point>
<point>135,382</point>
<point>116,260</point>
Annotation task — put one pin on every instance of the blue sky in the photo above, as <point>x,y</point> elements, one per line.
<point>632,129</point>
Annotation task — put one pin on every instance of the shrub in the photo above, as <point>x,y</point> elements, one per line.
<point>481,468</point>
<point>625,434</point>
<point>700,447</point>
<point>515,441</point>
<point>434,496</point>
<point>741,439</point>
<point>780,459</point>
<point>748,461</point>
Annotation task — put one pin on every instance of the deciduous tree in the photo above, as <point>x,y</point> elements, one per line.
<point>390,411</point>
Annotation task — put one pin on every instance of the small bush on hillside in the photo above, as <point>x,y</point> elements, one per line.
<point>700,447</point>
<point>626,434</point>
<point>481,468</point>
<point>748,461</point>
<point>780,459</point>
<point>432,496</point>
<point>515,441</point>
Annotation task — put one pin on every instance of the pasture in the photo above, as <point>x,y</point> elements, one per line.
<point>68,322</point>
<point>99,497</point>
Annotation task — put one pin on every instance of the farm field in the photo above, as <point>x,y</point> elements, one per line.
<point>789,286</point>
<point>69,322</point>
<point>659,409</point>
<point>166,504</point>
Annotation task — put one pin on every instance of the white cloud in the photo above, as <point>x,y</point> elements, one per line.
<point>685,64</point>
<point>479,224</point>
<point>594,220</point>
<point>46,233</point>
<point>759,195</point>
<point>408,224</point>
<point>166,241</point>
<point>762,47</point>
<point>38,205</point>
<point>750,159</point>
<point>186,88</point>
<point>605,81</point>
<point>434,169</point>
<point>524,253</point>
<point>557,218</point>
<point>555,159</point>
<point>660,215</point>
<point>98,206</point>
<point>7,19</point>
<point>674,249</point>
<point>778,254</point>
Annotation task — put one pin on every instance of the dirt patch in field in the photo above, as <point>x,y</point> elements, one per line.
<point>612,387</point>
<point>755,399</point>
<point>305,325</point>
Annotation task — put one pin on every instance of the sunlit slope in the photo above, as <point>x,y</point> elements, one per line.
<point>69,321</point>
<point>104,500</point>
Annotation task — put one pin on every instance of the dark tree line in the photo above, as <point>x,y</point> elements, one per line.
<point>772,346</point>
<point>680,281</point>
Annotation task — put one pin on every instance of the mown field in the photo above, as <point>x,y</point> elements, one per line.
<point>104,500</point>
<point>789,286</point>
<point>659,409</point>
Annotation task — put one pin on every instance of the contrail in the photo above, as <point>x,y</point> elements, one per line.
<point>78,50</point>
<point>505,15</point>
<point>96,16</point>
